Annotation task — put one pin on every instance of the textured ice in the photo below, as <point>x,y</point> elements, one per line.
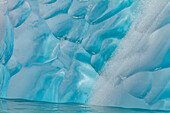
<point>99,52</point>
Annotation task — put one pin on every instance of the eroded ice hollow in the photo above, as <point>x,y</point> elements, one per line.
<point>99,52</point>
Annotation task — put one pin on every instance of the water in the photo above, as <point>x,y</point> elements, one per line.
<point>25,106</point>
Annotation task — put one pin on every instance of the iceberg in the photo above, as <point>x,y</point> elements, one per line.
<point>98,52</point>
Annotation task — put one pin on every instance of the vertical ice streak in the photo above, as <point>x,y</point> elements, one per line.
<point>6,47</point>
<point>142,52</point>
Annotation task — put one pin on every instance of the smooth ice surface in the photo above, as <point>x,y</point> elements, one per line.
<point>99,52</point>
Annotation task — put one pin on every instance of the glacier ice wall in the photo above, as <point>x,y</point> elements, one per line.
<point>100,52</point>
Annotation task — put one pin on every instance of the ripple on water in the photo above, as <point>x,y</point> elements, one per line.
<point>25,106</point>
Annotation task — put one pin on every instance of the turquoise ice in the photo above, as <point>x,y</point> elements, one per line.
<point>99,52</point>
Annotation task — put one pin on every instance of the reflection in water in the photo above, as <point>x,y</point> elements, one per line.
<point>24,106</point>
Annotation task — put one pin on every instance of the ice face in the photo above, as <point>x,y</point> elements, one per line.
<point>100,52</point>
<point>6,47</point>
<point>3,1</point>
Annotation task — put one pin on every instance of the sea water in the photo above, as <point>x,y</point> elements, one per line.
<point>25,106</point>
